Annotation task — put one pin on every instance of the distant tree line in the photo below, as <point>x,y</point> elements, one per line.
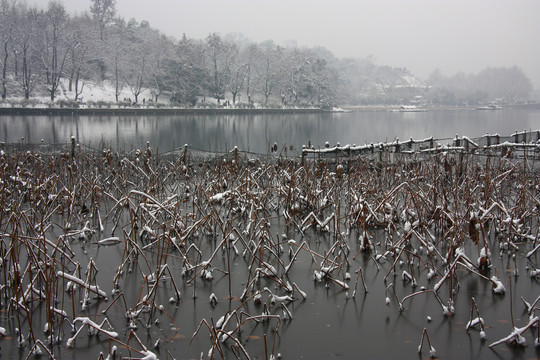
<point>42,47</point>
<point>494,84</point>
<point>41,50</point>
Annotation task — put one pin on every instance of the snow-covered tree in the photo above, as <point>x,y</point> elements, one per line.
<point>115,55</point>
<point>25,49</point>
<point>161,48</point>
<point>219,55</point>
<point>55,47</point>
<point>81,67</point>
<point>103,12</point>
<point>139,50</point>
<point>250,54</point>
<point>7,28</point>
<point>185,75</point>
<point>237,73</point>
<point>269,64</point>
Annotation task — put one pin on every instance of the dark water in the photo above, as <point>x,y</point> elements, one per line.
<point>256,132</point>
<point>328,324</point>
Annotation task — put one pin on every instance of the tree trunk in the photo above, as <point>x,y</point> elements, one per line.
<point>77,92</point>
<point>70,84</point>
<point>52,90</point>
<point>4,69</point>
<point>116,79</point>
<point>247,84</point>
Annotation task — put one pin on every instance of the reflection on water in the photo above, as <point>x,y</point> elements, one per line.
<point>257,132</point>
<point>330,322</point>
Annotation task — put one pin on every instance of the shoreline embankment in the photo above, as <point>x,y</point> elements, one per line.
<point>139,111</point>
<point>150,111</point>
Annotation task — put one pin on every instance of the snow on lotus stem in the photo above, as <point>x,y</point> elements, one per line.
<point>516,335</point>
<point>432,351</point>
<point>410,201</point>
<point>93,288</point>
<point>86,321</point>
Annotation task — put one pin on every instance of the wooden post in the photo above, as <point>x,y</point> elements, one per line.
<point>72,147</point>
<point>456,141</point>
<point>184,155</point>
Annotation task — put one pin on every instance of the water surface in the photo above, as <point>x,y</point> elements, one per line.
<point>256,133</point>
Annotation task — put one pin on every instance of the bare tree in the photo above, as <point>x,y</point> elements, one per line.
<point>80,61</point>
<point>6,37</point>
<point>218,53</point>
<point>136,74</point>
<point>269,64</point>
<point>160,49</point>
<point>297,66</point>
<point>25,47</point>
<point>115,49</point>
<point>55,49</point>
<point>250,56</point>
<point>236,73</point>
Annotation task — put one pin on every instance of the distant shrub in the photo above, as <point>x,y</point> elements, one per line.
<point>123,103</point>
<point>243,106</point>
<point>326,107</point>
<point>62,103</point>
<point>65,103</point>
<point>103,104</point>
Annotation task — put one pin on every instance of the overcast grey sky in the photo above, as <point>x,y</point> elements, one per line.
<point>421,35</point>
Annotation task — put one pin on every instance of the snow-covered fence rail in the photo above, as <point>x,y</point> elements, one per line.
<point>518,144</point>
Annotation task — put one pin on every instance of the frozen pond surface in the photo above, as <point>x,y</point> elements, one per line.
<point>257,132</point>
<point>296,230</point>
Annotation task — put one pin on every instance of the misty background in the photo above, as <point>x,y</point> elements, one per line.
<point>420,35</point>
<point>361,52</point>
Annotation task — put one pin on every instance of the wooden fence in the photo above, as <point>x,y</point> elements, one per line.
<point>517,145</point>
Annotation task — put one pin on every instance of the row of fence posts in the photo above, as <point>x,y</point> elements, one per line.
<point>464,142</point>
